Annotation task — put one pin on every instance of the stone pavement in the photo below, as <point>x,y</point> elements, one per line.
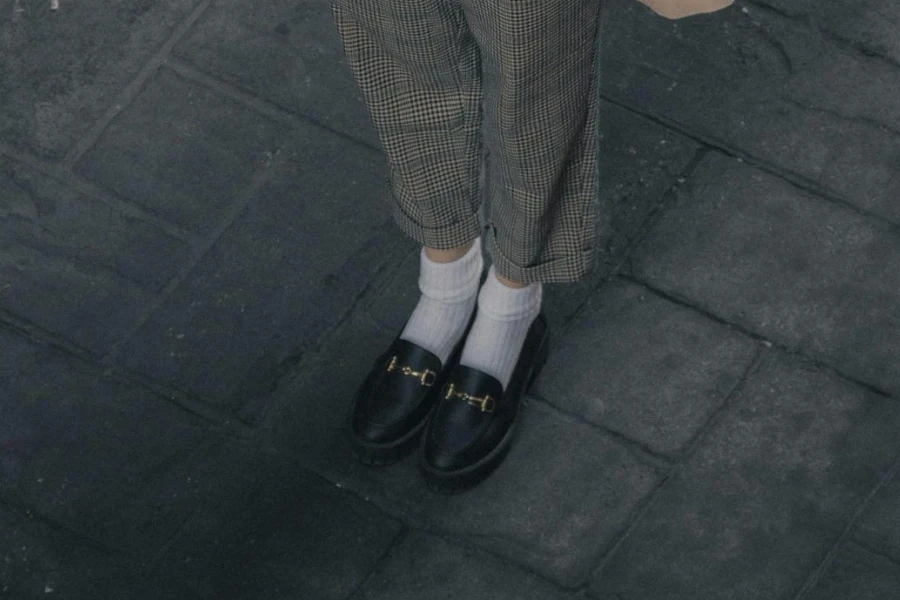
<point>197,269</point>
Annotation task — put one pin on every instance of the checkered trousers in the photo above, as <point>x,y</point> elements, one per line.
<point>448,82</point>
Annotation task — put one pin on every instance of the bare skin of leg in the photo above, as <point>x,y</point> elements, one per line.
<point>456,253</point>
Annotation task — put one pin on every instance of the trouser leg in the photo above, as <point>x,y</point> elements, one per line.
<point>419,64</point>
<point>418,69</point>
<point>540,127</point>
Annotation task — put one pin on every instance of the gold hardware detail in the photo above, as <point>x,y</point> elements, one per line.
<point>486,404</point>
<point>422,376</point>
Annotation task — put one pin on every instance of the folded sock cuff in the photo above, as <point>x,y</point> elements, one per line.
<point>452,281</point>
<point>504,303</point>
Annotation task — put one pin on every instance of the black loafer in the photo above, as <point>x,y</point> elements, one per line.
<point>394,401</point>
<point>473,425</point>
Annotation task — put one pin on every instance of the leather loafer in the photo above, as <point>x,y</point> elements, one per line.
<point>394,401</point>
<point>473,425</point>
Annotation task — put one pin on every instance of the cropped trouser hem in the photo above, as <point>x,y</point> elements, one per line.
<point>566,269</point>
<point>444,237</point>
<point>569,268</point>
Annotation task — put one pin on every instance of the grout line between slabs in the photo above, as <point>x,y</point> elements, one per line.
<point>199,251</point>
<point>382,560</point>
<point>133,89</point>
<point>202,408</point>
<point>624,257</point>
<point>87,188</point>
<point>865,546</point>
<point>795,351</point>
<point>679,468</point>
<point>795,180</point>
<point>465,542</point>
<point>653,458</point>
<point>31,514</point>
<point>843,42</point>
<point>42,337</point>
<point>205,410</point>
<point>256,103</point>
<point>409,520</point>
<point>825,564</point>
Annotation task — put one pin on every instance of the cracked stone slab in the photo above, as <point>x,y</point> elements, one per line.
<point>63,69</point>
<point>73,264</point>
<point>769,86</point>
<point>287,269</point>
<point>856,574</point>
<point>879,526</point>
<point>86,450</point>
<point>644,367</point>
<point>41,560</point>
<point>759,252</point>
<point>556,504</point>
<point>868,25</point>
<point>425,566</point>
<point>182,152</point>
<point>269,529</point>
<point>285,51</point>
<point>765,495</point>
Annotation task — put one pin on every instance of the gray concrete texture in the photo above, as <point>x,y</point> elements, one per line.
<point>197,269</point>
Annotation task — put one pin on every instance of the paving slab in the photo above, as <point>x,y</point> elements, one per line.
<point>644,367</point>
<point>857,574</point>
<point>556,504</point>
<point>73,264</point>
<point>63,69</point>
<point>85,450</point>
<point>269,529</point>
<point>425,566</point>
<point>869,25</point>
<point>287,269</point>
<point>764,254</point>
<point>879,526</point>
<point>639,161</point>
<point>767,493</point>
<point>286,52</point>
<point>40,560</point>
<point>769,86</point>
<point>183,152</point>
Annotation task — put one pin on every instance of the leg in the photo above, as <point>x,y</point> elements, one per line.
<point>419,71</point>
<point>539,62</point>
<point>540,127</point>
<point>540,92</point>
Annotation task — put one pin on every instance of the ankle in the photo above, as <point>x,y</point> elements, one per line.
<point>509,282</point>
<point>450,255</point>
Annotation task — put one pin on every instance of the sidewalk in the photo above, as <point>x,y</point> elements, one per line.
<point>197,269</point>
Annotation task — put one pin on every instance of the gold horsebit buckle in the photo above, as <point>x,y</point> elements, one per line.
<point>486,404</point>
<point>422,376</point>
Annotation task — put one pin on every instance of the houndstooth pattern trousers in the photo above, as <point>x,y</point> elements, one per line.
<point>448,82</point>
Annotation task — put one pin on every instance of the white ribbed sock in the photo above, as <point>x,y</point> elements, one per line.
<point>504,316</point>
<point>449,293</point>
